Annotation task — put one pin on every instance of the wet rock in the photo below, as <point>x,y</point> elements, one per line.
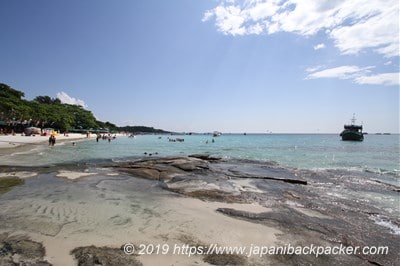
<point>214,195</point>
<point>194,176</point>
<point>20,250</point>
<point>163,169</point>
<point>189,176</point>
<point>96,256</point>
<point>350,229</point>
<point>205,157</point>
<point>321,208</point>
<point>147,173</point>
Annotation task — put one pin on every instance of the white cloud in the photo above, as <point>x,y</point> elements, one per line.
<point>355,73</point>
<point>319,46</point>
<point>353,25</point>
<point>314,69</point>
<point>377,28</point>
<point>379,79</point>
<point>230,20</point>
<point>65,98</point>
<point>342,72</point>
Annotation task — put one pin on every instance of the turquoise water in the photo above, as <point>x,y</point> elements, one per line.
<point>376,154</point>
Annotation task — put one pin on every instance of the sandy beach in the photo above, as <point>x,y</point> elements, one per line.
<point>10,141</point>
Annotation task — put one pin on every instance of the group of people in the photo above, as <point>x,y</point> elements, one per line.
<point>176,140</point>
<point>105,137</point>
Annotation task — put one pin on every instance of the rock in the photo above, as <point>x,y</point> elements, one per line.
<point>215,195</point>
<point>92,255</point>
<point>147,173</point>
<point>163,169</point>
<point>205,157</point>
<point>20,250</point>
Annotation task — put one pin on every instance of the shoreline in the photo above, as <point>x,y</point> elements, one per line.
<point>11,142</point>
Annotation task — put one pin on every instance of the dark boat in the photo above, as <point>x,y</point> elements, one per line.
<point>217,134</point>
<point>352,132</point>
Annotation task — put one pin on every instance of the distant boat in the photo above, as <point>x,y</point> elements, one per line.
<point>217,134</point>
<point>352,131</point>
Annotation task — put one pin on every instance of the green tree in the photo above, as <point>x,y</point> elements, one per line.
<point>47,100</point>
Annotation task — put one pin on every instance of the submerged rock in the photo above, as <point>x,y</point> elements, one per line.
<point>7,183</point>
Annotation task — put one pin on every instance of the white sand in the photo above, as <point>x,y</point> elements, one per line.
<point>10,141</point>
<point>73,174</point>
<point>184,216</point>
<point>19,174</point>
<point>102,223</point>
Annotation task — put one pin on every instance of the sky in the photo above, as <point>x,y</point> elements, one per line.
<point>281,66</point>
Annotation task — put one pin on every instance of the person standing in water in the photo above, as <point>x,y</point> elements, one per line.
<point>52,140</point>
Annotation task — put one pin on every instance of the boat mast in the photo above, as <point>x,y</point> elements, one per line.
<point>353,120</point>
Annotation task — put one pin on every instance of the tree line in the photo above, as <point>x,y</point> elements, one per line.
<point>47,112</point>
<point>44,112</point>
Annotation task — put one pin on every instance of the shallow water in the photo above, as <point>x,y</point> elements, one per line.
<point>377,153</point>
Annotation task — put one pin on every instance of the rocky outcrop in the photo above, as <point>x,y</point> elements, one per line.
<point>20,250</point>
<point>198,176</point>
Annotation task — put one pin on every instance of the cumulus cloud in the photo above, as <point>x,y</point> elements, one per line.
<point>353,25</point>
<point>65,98</point>
<point>355,73</point>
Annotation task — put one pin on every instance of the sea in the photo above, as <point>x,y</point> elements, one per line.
<point>378,154</point>
<point>360,166</point>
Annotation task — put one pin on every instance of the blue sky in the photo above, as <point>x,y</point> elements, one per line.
<point>205,65</point>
